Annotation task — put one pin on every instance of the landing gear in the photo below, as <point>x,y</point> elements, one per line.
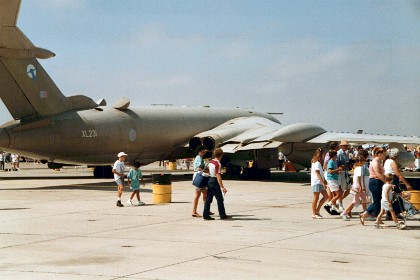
<point>103,172</point>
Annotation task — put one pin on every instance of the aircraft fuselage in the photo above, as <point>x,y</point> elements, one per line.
<point>147,134</point>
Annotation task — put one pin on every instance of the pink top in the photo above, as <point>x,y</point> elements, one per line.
<point>372,173</point>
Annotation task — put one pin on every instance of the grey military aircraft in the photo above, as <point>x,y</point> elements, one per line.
<point>75,130</point>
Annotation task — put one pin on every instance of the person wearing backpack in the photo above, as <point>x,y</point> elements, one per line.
<point>215,187</point>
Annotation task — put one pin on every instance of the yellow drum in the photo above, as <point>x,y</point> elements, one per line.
<point>415,199</point>
<point>162,188</point>
<point>172,165</point>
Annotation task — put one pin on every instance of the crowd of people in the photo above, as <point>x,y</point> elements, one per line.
<point>13,159</point>
<point>376,177</point>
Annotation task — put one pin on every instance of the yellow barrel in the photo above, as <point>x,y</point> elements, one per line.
<point>415,198</point>
<point>162,194</point>
<point>162,188</point>
<point>172,165</point>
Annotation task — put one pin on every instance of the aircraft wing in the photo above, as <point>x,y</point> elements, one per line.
<point>364,138</point>
<point>309,133</point>
<point>243,133</point>
<point>254,133</point>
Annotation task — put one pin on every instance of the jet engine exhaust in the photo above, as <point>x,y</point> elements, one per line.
<point>208,142</point>
<point>194,143</point>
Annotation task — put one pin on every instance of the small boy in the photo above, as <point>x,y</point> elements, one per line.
<point>332,183</point>
<point>134,177</point>
<point>386,203</point>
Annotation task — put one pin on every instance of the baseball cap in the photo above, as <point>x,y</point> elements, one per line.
<point>122,154</point>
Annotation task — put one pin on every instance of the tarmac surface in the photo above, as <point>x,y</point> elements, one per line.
<point>65,225</point>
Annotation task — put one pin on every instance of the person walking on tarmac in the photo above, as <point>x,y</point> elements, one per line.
<point>215,187</point>
<point>343,177</point>
<point>118,171</point>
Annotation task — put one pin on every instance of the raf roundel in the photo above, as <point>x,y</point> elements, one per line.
<point>132,135</point>
<point>31,71</point>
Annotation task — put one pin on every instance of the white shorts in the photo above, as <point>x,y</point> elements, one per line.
<point>384,205</point>
<point>333,185</point>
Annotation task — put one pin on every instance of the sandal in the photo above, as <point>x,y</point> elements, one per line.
<point>316,216</point>
<point>362,218</point>
<point>196,215</point>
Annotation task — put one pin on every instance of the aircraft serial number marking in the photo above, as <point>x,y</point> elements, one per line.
<point>91,133</point>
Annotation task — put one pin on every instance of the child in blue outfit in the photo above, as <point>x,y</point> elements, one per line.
<point>134,177</point>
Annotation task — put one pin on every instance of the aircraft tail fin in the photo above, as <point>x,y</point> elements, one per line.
<point>25,87</point>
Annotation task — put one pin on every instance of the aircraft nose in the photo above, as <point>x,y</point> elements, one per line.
<point>4,139</point>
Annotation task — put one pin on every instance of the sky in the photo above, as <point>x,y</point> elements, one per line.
<point>342,65</point>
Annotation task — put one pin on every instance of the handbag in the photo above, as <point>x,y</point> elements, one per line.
<point>200,181</point>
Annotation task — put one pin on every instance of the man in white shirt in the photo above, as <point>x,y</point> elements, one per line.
<point>118,171</point>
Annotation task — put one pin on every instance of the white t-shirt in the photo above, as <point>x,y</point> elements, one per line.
<point>119,167</point>
<point>385,193</point>
<point>314,178</point>
<point>388,167</point>
<point>212,168</point>
<point>14,158</point>
<point>358,173</point>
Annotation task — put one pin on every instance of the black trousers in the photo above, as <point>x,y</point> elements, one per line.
<point>214,191</point>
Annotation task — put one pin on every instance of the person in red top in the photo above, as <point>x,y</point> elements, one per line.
<point>215,187</point>
<point>376,181</point>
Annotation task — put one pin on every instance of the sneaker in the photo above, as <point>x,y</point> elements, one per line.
<point>327,208</point>
<point>400,226</point>
<point>119,204</point>
<point>208,218</point>
<point>345,217</point>
<point>316,216</point>
<point>341,207</point>
<point>140,203</point>
<point>129,202</point>
<point>335,211</point>
<point>377,225</point>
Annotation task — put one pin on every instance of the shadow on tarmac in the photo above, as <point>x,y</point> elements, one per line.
<point>13,209</point>
<point>101,186</point>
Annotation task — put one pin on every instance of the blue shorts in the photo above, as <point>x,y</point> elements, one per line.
<point>317,188</point>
